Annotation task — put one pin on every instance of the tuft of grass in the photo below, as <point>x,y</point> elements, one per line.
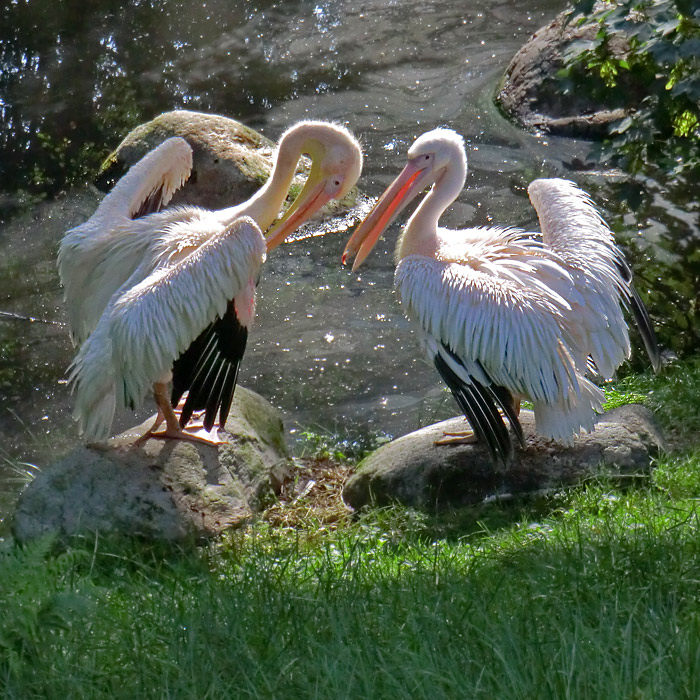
<point>678,475</point>
<point>673,395</point>
<point>615,396</point>
<point>14,475</point>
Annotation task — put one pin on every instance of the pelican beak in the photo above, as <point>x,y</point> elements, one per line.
<point>411,182</point>
<point>311,198</point>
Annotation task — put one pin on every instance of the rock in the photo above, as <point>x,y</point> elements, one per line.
<point>230,161</point>
<point>164,489</point>
<point>529,95</point>
<point>412,470</point>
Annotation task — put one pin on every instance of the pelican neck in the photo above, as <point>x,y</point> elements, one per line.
<point>264,206</point>
<point>420,235</point>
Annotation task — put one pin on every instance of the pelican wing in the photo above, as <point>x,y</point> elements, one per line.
<point>150,183</point>
<point>155,322</point>
<point>208,369</point>
<point>96,258</point>
<point>495,335</point>
<point>516,334</point>
<point>574,230</point>
<point>479,403</point>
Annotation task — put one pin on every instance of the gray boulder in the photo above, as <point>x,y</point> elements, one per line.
<point>164,489</point>
<point>230,161</point>
<point>412,470</point>
<point>530,97</point>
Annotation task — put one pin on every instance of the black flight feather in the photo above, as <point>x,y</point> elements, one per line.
<point>505,401</point>
<point>208,370</point>
<point>646,329</point>
<point>641,315</point>
<point>479,404</point>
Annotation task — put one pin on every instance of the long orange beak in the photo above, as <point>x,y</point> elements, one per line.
<point>411,182</point>
<point>311,198</point>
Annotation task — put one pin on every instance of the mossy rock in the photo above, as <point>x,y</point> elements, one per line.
<point>163,489</point>
<point>531,96</point>
<point>230,161</point>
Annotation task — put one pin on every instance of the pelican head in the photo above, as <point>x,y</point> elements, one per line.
<point>336,164</point>
<point>430,157</point>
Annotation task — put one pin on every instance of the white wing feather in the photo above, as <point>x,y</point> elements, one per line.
<point>513,332</point>
<point>147,326</point>
<point>161,171</point>
<point>573,229</point>
<point>96,258</point>
<point>504,332</point>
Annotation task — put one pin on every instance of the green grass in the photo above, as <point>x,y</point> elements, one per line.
<point>673,396</point>
<point>597,599</point>
<point>590,592</point>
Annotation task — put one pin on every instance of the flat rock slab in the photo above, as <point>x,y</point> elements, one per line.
<point>412,470</point>
<point>163,489</point>
<point>230,161</point>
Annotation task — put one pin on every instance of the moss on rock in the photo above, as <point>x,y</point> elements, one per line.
<point>162,489</point>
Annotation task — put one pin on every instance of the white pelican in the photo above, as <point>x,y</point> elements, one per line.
<point>157,294</point>
<point>505,314</point>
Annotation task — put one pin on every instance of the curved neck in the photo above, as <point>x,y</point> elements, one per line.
<point>264,206</point>
<point>420,235</point>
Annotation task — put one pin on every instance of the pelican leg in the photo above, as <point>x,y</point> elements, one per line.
<point>468,437</point>
<point>172,424</point>
<point>157,422</point>
<point>160,417</point>
<point>516,405</point>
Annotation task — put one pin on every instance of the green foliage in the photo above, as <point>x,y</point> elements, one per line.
<point>61,161</point>
<point>657,223</point>
<point>644,58</point>
<point>318,442</point>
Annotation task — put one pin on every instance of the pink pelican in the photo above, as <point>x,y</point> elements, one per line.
<point>160,295</point>
<point>506,314</point>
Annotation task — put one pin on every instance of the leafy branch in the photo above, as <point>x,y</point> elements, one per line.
<point>645,57</point>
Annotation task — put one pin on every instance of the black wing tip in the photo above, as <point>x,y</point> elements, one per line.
<point>208,370</point>
<point>646,329</point>
<point>641,315</point>
<point>213,394</point>
<point>505,401</point>
<point>479,406</point>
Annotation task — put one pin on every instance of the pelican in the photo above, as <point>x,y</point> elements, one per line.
<point>505,314</point>
<point>158,295</point>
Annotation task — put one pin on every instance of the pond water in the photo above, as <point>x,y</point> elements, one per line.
<point>331,349</point>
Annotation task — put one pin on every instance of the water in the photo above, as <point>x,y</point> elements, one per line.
<point>330,348</point>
